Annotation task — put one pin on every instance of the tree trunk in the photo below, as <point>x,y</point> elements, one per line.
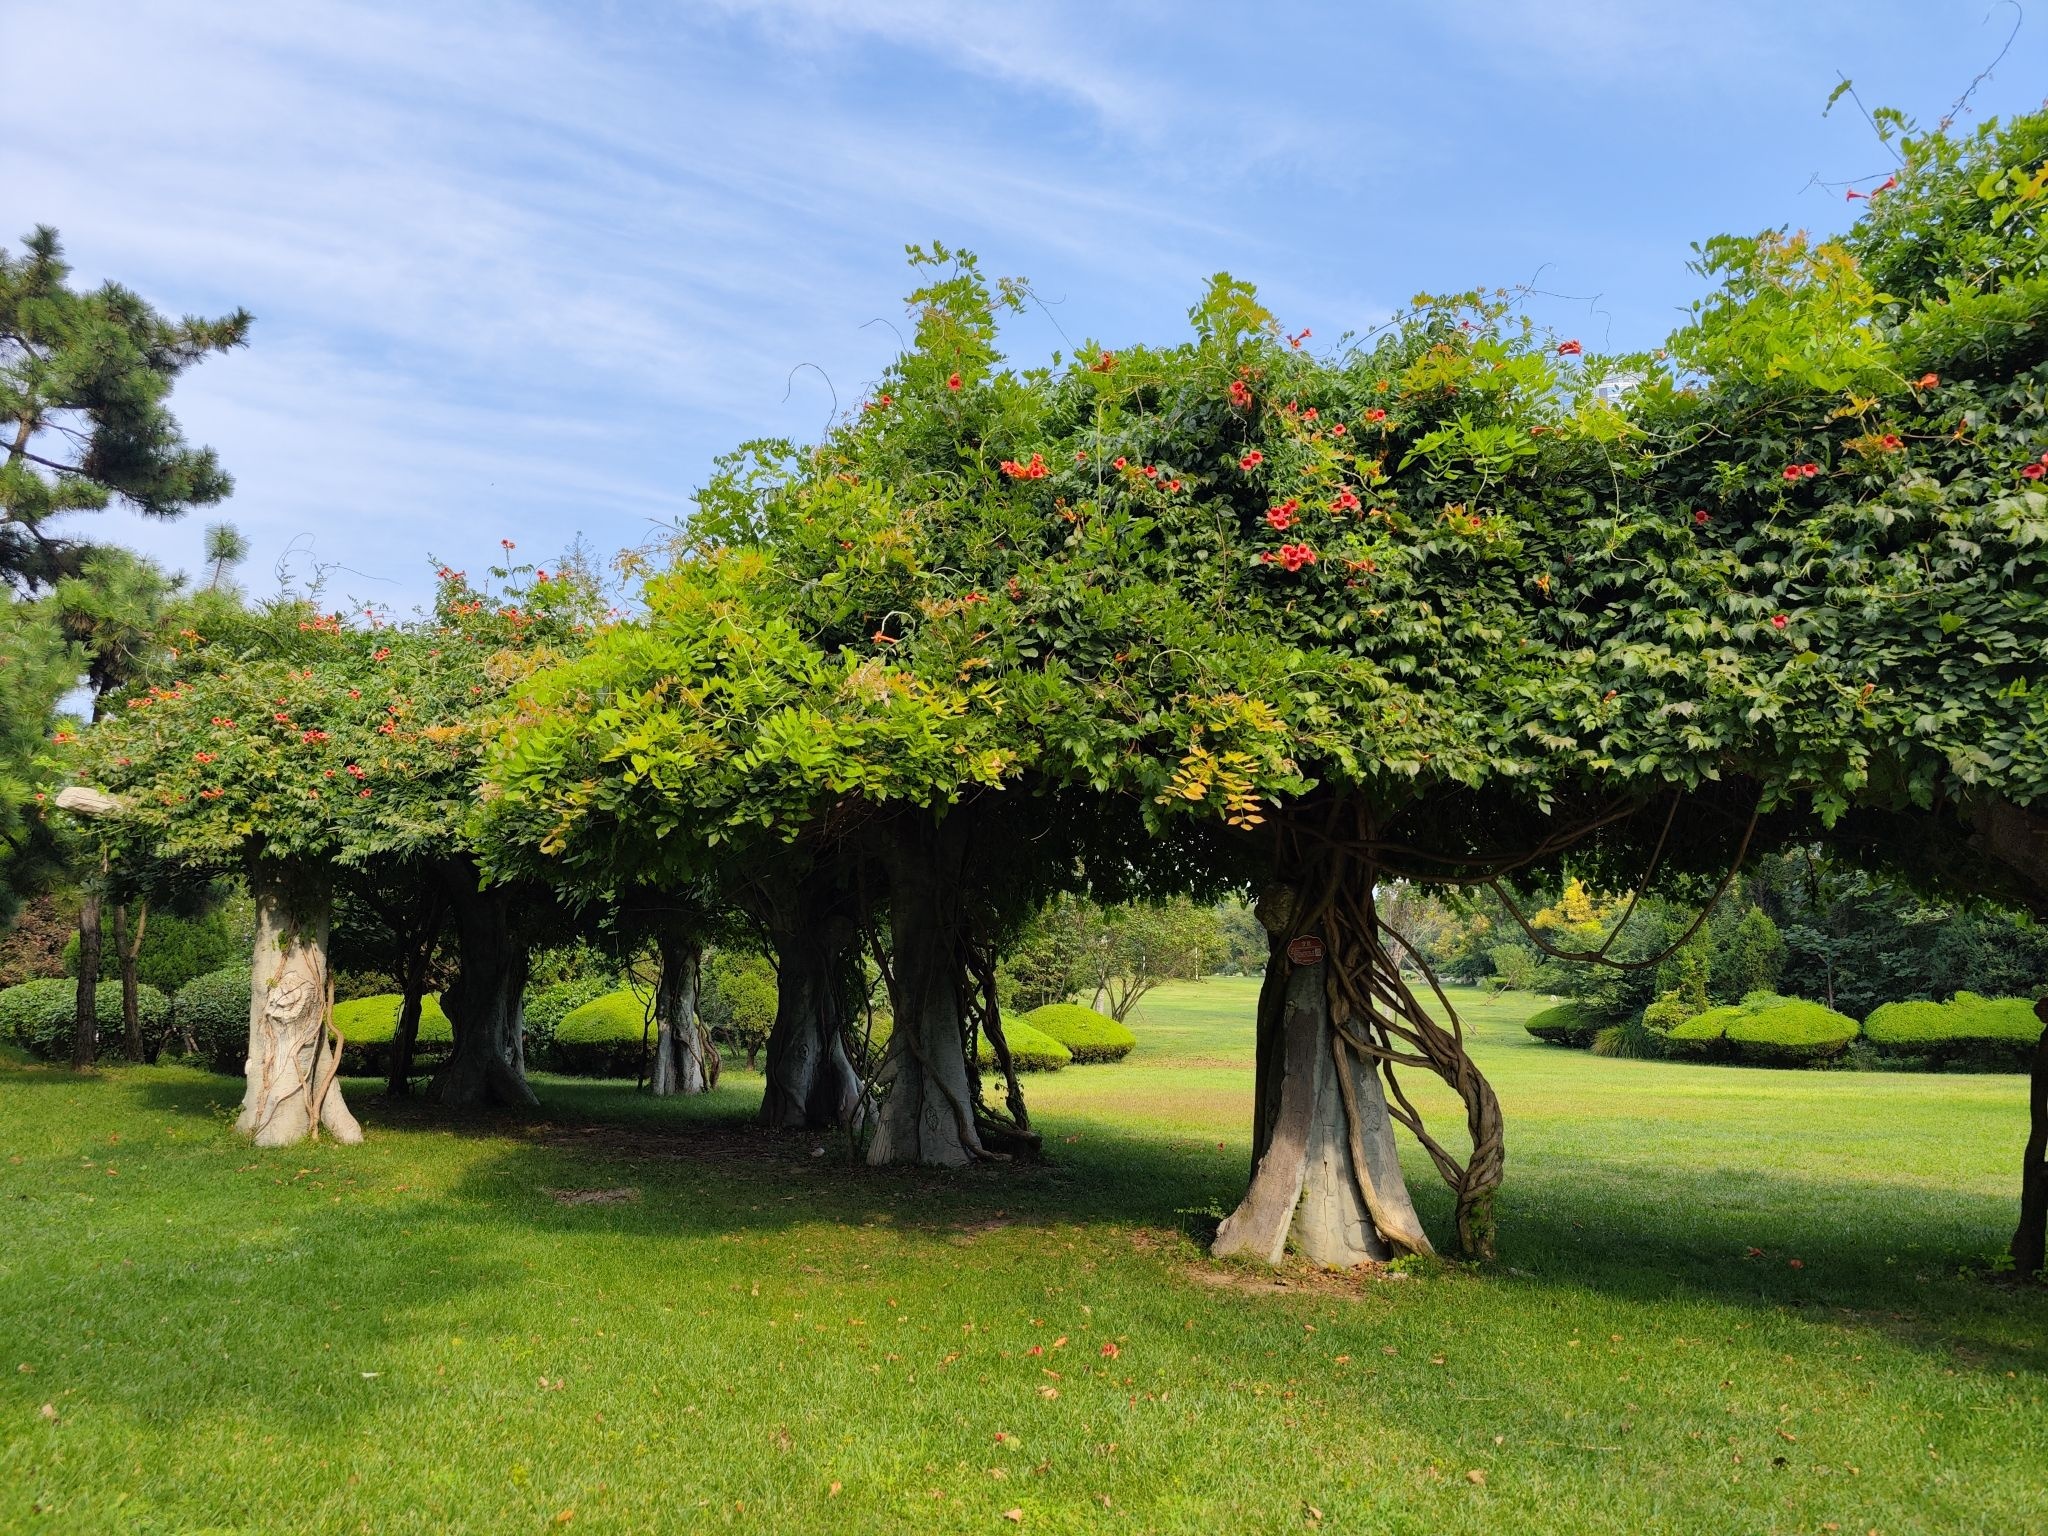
<point>485,1005</point>
<point>128,949</point>
<point>1326,1174</point>
<point>416,966</point>
<point>2016,838</point>
<point>294,1053</point>
<point>679,1044</point>
<point>927,1112</point>
<point>2030,1238</point>
<point>811,1082</point>
<point>405,1036</point>
<point>85,1027</point>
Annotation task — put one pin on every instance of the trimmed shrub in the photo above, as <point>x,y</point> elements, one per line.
<point>608,1036</point>
<point>1970,1032</point>
<point>1030,1049</point>
<point>368,1023</point>
<point>543,1009</point>
<point>37,1015</point>
<point>1566,1024</point>
<point>1790,1034</point>
<point>213,1012</point>
<point>1703,1037</point>
<point>1087,1034</point>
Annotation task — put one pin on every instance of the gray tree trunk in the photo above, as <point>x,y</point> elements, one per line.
<point>811,1083</point>
<point>485,1007</point>
<point>85,1025</point>
<point>1326,1175</point>
<point>128,949</point>
<point>679,1044</point>
<point>294,1054</point>
<point>927,1109</point>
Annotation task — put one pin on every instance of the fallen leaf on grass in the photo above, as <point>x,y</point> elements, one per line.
<point>1048,1392</point>
<point>1109,1350</point>
<point>49,1411</point>
<point>1476,1477</point>
<point>565,1517</point>
<point>1014,1516</point>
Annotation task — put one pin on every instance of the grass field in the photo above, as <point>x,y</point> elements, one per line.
<point>1728,1301</point>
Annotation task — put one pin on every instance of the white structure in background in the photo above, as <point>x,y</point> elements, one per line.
<point>1612,390</point>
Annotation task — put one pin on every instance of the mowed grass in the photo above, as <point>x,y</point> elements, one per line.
<point>420,1335</point>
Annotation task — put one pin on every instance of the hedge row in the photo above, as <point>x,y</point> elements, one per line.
<point>39,1016</point>
<point>1987,1033</point>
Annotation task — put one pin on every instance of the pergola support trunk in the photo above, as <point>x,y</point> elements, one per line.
<point>485,1006</point>
<point>294,1052</point>
<point>927,1108</point>
<point>1326,1175</point>
<point>811,1083</point>
<point>684,1061</point>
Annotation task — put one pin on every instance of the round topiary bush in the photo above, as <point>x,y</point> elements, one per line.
<point>366,1025</point>
<point>608,1036</point>
<point>1790,1034</point>
<point>212,1011</point>
<point>1971,1032</point>
<point>1565,1024</point>
<point>1087,1034</point>
<point>1030,1050</point>
<point>38,1016</point>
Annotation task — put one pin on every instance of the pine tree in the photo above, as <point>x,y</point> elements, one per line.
<point>84,380</point>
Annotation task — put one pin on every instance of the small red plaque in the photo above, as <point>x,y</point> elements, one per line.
<point>1306,950</point>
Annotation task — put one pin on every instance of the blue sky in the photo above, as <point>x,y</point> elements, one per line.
<point>521,270</point>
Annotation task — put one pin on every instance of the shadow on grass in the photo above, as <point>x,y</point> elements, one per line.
<point>1895,1259</point>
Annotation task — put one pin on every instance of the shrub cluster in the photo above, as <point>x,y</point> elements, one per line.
<point>1765,1030</point>
<point>1968,1031</point>
<point>1087,1034</point>
<point>38,1016</point>
<point>1566,1024</point>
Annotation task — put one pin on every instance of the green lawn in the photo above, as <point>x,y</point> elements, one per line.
<point>419,1335</point>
